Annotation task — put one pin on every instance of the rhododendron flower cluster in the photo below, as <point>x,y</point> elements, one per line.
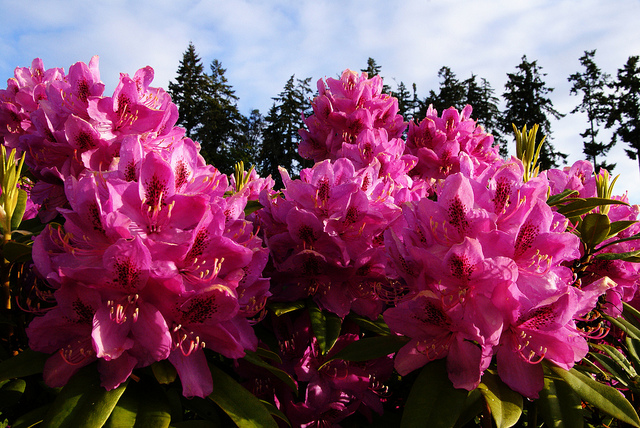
<point>427,240</point>
<point>152,262</point>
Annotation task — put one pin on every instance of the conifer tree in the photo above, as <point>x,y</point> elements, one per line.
<point>282,123</point>
<point>527,103</point>
<point>481,96</point>
<point>625,112</point>
<point>592,83</point>
<point>373,69</point>
<point>188,91</point>
<point>451,93</point>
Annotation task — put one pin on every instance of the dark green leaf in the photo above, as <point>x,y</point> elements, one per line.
<point>18,213</point>
<point>251,207</point>
<point>604,397</point>
<point>31,418</point>
<point>630,311</point>
<point>154,410</point>
<point>11,392</point>
<point>325,325</point>
<point>242,406</point>
<point>281,308</point>
<point>125,411</point>
<point>625,326</point>
<point>371,348</point>
<point>560,197</point>
<point>633,345</point>
<point>630,256</point>
<point>195,424</point>
<point>594,229</point>
<point>26,363</point>
<point>472,407</point>
<point>579,206</point>
<point>270,355</point>
<point>619,226</point>
<point>505,404</point>
<point>612,370</point>
<point>82,402</point>
<point>559,405</point>
<point>164,372</point>
<point>433,401</point>
<point>253,358</point>
<point>276,412</point>
<point>378,326</point>
<point>619,358</point>
<point>16,252</point>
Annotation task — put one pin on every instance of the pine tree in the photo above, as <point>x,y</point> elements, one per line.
<point>188,91</point>
<point>527,104</point>
<point>592,83</point>
<point>625,112</point>
<point>249,143</point>
<point>281,137</point>
<point>451,93</point>
<point>373,69</point>
<point>485,109</point>
<point>407,103</point>
<point>222,122</point>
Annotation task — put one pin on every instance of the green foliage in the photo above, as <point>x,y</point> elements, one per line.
<point>527,103</point>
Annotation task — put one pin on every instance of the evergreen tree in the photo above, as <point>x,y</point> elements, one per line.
<point>249,143</point>
<point>452,93</point>
<point>625,112</point>
<point>592,83</point>
<point>407,102</point>
<point>485,109</point>
<point>222,122</point>
<point>373,69</point>
<point>527,104</point>
<point>188,91</point>
<point>281,137</point>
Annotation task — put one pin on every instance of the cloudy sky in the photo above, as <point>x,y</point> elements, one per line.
<point>263,43</point>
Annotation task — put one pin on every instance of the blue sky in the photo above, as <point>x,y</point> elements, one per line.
<point>263,43</point>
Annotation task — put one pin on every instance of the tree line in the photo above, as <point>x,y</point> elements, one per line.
<point>209,112</point>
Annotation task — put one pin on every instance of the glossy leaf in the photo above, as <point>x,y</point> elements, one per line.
<point>11,391</point>
<point>242,406</point>
<point>378,326</point>
<point>604,397</point>
<point>578,206</point>
<point>82,402</point>
<point>18,213</point>
<point>270,355</point>
<point>253,358</point>
<point>371,348</point>
<point>164,372</point>
<point>126,409</point>
<point>625,326</point>
<point>433,401</point>
<point>594,229</point>
<point>559,405</point>
<point>32,418</point>
<point>281,308</point>
<point>633,345</point>
<point>154,410</point>
<point>16,251</point>
<point>560,197</point>
<point>619,358</point>
<point>630,256</point>
<point>252,206</point>
<point>504,403</point>
<point>325,325</point>
<point>26,363</point>
<point>619,226</point>
<point>472,407</point>
<point>276,412</point>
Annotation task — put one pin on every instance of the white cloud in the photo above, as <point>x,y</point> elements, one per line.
<point>261,44</point>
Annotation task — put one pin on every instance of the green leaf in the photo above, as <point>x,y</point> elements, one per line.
<point>154,410</point>
<point>82,402</point>
<point>579,206</point>
<point>630,256</point>
<point>242,406</point>
<point>594,229</point>
<point>625,326</point>
<point>433,401</point>
<point>378,326</point>
<point>125,411</point>
<point>633,345</point>
<point>619,226</point>
<point>560,197</point>
<point>504,403</point>
<point>11,392</point>
<point>618,357</point>
<point>18,213</point>
<point>26,363</point>
<point>164,372</point>
<point>251,207</point>
<point>607,399</point>
<point>325,325</point>
<point>253,358</point>
<point>32,418</point>
<point>559,405</point>
<point>472,407</point>
<point>281,308</point>
<point>371,348</point>
<point>270,355</point>
<point>276,412</point>
<point>16,252</point>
